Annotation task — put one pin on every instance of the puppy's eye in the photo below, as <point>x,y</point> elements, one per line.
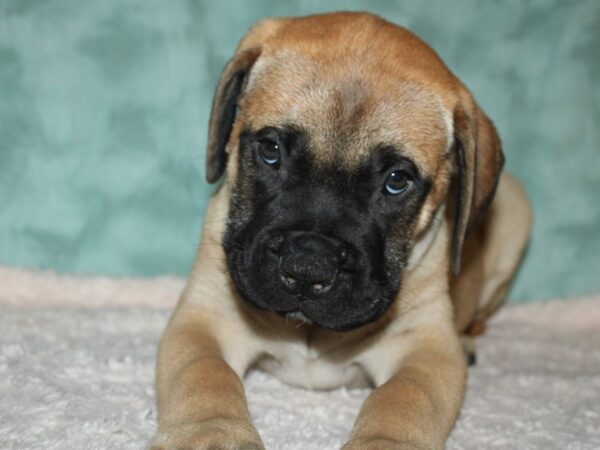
<point>397,182</point>
<point>269,151</point>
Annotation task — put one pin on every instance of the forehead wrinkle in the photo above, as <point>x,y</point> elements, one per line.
<point>343,114</point>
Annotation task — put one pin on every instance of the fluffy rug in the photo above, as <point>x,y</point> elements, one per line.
<point>77,362</point>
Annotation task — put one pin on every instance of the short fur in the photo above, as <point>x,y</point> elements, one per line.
<point>309,267</point>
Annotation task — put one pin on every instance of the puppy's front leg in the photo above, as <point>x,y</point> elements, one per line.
<point>201,402</point>
<point>417,407</point>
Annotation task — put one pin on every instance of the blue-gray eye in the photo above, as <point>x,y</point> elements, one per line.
<point>269,151</point>
<point>397,182</point>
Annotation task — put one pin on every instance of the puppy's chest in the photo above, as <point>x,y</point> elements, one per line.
<point>300,365</point>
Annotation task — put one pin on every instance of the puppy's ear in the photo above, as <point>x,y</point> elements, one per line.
<point>479,161</point>
<point>224,108</point>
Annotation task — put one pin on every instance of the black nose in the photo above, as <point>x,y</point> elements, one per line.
<point>309,263</point>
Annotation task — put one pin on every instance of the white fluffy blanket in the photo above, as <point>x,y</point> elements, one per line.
<point>77,358</point>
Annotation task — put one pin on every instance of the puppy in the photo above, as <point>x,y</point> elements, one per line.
<point>359,171</point>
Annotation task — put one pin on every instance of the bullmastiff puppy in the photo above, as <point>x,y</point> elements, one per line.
<point>348,244</point>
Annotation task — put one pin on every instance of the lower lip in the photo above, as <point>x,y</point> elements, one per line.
<point>297,315</point>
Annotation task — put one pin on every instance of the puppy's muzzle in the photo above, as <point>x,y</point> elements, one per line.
<point>309,263</point>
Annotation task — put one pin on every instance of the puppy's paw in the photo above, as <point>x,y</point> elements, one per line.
<point>212,434</point>
<point>378,443</point>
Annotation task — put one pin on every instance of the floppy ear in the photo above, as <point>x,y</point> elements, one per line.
<point>224,108</point>
<point>479,161</point>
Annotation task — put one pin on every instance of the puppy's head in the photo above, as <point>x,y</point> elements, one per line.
<point>341,135</point>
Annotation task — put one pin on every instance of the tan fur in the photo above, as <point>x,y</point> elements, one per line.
<point>491,256</point>
<point>308,72</point>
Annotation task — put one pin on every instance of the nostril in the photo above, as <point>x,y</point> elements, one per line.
<point>347,261</point>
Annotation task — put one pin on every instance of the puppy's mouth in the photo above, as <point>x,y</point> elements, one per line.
<point>342,311</point>
<point>308,279</point>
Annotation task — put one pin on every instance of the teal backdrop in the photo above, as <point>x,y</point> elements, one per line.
<point>104,108</point>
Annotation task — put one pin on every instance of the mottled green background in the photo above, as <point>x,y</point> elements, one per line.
<point>104,106</point>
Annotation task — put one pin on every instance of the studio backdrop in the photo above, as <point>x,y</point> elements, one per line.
<point>104,108</point>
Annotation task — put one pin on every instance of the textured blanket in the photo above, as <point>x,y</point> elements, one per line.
<point>77,361</point>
